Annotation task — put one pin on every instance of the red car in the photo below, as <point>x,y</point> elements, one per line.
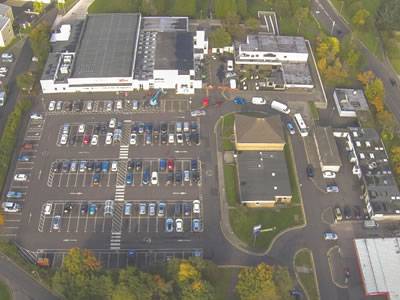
<point>170,164</point>
<point>86,139</point>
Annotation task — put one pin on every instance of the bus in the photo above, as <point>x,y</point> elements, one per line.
<point>301,125</point>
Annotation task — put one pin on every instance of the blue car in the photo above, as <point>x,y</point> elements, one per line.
<point>239,101</point>
<point>92,209</point>
<point>146,177</point>
<point>169,225</point>
<point>96,178</point>
<point>23,158</point>
<point>15,195</point>
<point>129,179</point>
<point>105,165</point>
<point>290,128</point>
<point>163,165</point>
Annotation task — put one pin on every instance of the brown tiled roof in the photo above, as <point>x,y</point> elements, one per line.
<point>258,130</point>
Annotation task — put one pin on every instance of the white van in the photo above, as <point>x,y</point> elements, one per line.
<point>232,83</point>
<point>281,107</point>
<point>258,100</point>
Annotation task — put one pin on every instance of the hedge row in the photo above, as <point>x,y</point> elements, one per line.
<point>9,137</point>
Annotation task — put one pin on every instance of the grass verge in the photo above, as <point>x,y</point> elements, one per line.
<point>115,6</point>
<point>303,259</point>
<point>9,137</point>
<point>227,132</point>
<point>243,219</point>
<point>5,293</point>
<point>230,177</point>
<point>223,279</point>
<point>294,181</point>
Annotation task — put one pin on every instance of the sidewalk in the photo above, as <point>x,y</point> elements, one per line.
<point>77,12</point>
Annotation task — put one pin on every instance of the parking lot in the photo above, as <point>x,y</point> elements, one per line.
<point>132,160</point>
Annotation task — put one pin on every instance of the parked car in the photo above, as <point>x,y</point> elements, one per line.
<point>154,178</point>
<point>56,222</point>
<point>332,188</point>
<point>48,208</point>
<point>171,138</point>
<point>163,165</point>
<point>152,209</point>
<point>161,209</point>
<point>142,208</point>
<point>20,177</point>
<point>109,138</point>
<point>112,123</point>
<point>198,113</point>
<point>94,140</point>
<point>52,105</point>
<point>146,177</point>
<point>11,207</point>
<point>179,225</point>
<point>338,213</point>
<point>14,195</point>
<point>129,179</point>
<point>239,101</point>
<point>329,174</point>
<point>196,225</point>
<point>290,128</point>
<point>67,208</point>
<point>128,209</point>
<point>36,116</point>
<point>81,128</point>
<point>347,212</point>
<point>84,209</point>
<point>132,140</point>
<point>92,209</point>
<point>330,236</point>
<point>169,225</point>
<point>196,206</point>
<point>64,139</point>
<point>24,158</point>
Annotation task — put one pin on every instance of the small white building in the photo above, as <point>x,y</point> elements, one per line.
<point>379,264</point>
<point>349,101</point>
<point>62,34</point>
<point>6,25</point>
<point>271,49</point>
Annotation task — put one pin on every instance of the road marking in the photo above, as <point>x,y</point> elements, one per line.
<point>70,240</point>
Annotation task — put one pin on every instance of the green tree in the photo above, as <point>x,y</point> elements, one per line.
<point>257,283</point>
<point>232,24</point>
<point>360,17</point>
<point>134,285</point>
<point>184,8</point>
<point>220,38</point>
<point>387,17</point>
<point>40,44</point>
<point>283,281</point>
<point>223,8</point>
<point>38,7</point>
<point>253,24</point>
<point>25,81</point>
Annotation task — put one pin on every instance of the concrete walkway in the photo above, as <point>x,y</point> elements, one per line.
<point>77,12</point>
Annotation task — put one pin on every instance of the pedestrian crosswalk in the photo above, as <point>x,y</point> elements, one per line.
<point>119,193</point>
<point>123,152</point>
<point>115,243</point>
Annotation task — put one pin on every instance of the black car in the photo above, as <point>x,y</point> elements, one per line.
<point>195,177</point>
<point>170,177</point>
<point>65,166</point>
<point>90,165</point>
<point>195,138</point>
<point>97,166</point>
<point>156,129</point>
<point>67,106</point>
<point>193,164</point>
<point>131,165</point>
<point>79,139</point>
<point>164,127</point>
<point>138,165</point>
<point>77,106</point>
<point>57,167</point>
<point>177,209</point>
<point>84,209</point>
<point>164,138</point>
<point>67,208</point>
<point>178,176</point>
<point>187,209</point>
<point>393,82</point>
<point>357,212</point>
<point>193,127</point>
<point>347,212</point>
<point>188,138</point>
<point>310,171</point>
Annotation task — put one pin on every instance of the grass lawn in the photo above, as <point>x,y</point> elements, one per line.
<point>227,132</point>
<point>294,184</point>
<point>303,259</point>
<point>114,6</point>
<point>5,293</point>
<point>230,177</point>
<point>310,28</point>
<point>243,219</point>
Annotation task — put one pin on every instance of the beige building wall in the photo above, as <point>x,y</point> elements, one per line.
<point>259,147</point>
<point>269,203</point>
<point>6,34</point>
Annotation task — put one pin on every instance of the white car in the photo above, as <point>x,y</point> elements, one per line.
<point>179,138</point>
<point>52,106</point>
<point>154,178</point>
<point>94,140</point>
<point>36,116</point>
<point>329,174</point>
<point>20,177</point>
<point>89,105</point>
<point>258,101</point>
<point>330,236</point>
<point>135,105</point>
<point>112,123</point>
<point>64,139</point>
<point>119,105</point>
<point>198,113</point>
<point>171,138</point>
<point>81,128</point>
<point>3,69</point>
<point>11,207</point>
<point>196,206</point>
<point>132,141</point>
<point>179,225</point>
<point>114,166</point>
<point>109,138</point>
<point>48,208</point>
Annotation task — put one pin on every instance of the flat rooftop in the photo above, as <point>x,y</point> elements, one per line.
<point>165,24</point>
<point>174,51</point>
<point>273,43</point>
<point>351,100</point>
<point>379,261</point>
<point>262,175</point>
<point>326,146</point>
<point>297,73</point>
<point>107,46</point>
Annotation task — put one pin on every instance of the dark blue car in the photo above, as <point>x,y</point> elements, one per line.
<point>146,177</point>
<point>239,101</point>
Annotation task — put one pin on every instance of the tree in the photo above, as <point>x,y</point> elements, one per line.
<point>386,121</point>
<point>232,25</point>
<point>366,77</point>
<point>220,38</point>
<point>328,48</point>
<point>242,8</point>
<point>223,8</point>
<point>40,44</point>
<point>300,15</point>
<point>375,89</point>
<point>253,24</point>
<point>387,17</point>
<point>360,17</point>
<point>133,285</point>
<point>25,81</point>
<point>38,7</point>
<point>257,283</point>
<point>283,281</point>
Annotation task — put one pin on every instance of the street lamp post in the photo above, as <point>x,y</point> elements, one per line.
<point>333,26</point>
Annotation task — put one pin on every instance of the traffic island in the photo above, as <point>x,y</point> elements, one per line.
<point>339,272</point>
<point>304,269</point>
<point>258,223</point>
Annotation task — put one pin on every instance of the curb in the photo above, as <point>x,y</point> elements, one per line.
<point>342,286</point>
<point>314,272</point>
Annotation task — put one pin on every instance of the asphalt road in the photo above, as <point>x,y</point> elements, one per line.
<point>23,287</point>
<point>326,16</point>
